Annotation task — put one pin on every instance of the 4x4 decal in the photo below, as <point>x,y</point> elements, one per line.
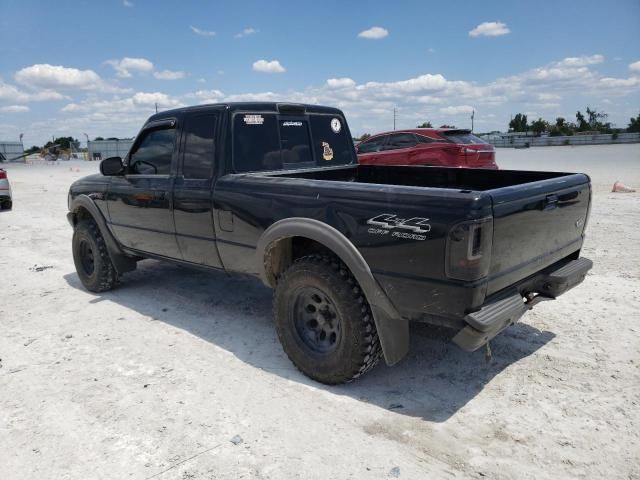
<point>399,227</point>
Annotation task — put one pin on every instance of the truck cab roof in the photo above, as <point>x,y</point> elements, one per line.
<point>283,108</point>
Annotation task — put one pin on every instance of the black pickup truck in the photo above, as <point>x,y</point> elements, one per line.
<point>353,252</point>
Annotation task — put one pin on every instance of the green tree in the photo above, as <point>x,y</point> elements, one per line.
<point>32,149</point>
<point>63,143</point>
<point>447,126</point>
<point>364,136</point>
<point>634,125</point>
<point>519,123</point>
<point>97,139</point>
<point>426,124</point>
<point>583,125</point>
<point>539,126</point>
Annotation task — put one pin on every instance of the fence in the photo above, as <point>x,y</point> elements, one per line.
<point>601,139</point>
<point>10,150</point>
<point>101,149</point>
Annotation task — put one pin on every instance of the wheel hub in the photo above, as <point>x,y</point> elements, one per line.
<point>86,258</point>
<point>316,320</point>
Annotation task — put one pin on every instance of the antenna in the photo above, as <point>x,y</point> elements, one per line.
<point>394,118</point>
<point>473,114</point>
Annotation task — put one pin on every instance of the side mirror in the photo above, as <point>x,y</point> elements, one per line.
<point>111,166</point>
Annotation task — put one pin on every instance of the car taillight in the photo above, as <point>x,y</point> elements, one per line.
<point>3,174</point>
<point>469,249</point>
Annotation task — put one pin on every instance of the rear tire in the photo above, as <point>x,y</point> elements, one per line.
<point>7,205</point>
<point>324,322</point>
<point>91,258</point>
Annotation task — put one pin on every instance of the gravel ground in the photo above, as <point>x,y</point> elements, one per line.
<point>178,374</point>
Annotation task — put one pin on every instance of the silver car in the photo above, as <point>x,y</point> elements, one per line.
<point>6,201</point>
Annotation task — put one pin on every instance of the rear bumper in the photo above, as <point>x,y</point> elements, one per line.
<point>506,308</point>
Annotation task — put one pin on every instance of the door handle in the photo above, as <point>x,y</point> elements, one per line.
<point>550,202</point>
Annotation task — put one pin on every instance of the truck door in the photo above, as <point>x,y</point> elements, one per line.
<point>192,194</point>
<point>139,202</point>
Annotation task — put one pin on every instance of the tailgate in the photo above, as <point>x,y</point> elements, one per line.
<point>535,225</point>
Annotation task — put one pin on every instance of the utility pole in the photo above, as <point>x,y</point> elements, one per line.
<point>394,118</point>
<point>473,114</point>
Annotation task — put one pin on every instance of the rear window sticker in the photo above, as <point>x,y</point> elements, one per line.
<point>327,152</point>
<point>253,119</point>
<point>336,126</point>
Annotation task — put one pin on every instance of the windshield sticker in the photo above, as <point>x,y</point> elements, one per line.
<point>327,152</point>
<point>336,126</point>
<point>253,119</point>
<point>291,124</point>
<point>388,223</point>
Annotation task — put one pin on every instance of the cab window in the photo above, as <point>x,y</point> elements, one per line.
<point>199,151</point>
<point>268,141</point>
<point>153,153</point>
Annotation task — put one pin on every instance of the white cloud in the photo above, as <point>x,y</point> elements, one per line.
<point>246,32</point>
<point>582,61</point>
<point>340,83</point>
<point>374,33</point>
<point>549,91</point>
<point>11,93</point>
<point>126,65</point>
<point>635,66</point>
<point>202,80</point>
<point>490,29</point>
<point>14,109</point>
<point>127,3</point>
<point>169,75</point>
<point>544,97</point>
<point>619,82</point>
<point>203,33</point>
<point>456,110</point>
<point>57,77</point>
<point>148,99</point>
<point>268,66</point>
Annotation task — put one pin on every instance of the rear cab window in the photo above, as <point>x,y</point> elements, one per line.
<point>271,141</point>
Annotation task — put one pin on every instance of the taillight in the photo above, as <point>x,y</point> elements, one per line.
<point>3,174</point>
<point>469,249</point>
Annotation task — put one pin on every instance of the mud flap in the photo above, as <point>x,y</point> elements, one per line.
<point>393,334</point>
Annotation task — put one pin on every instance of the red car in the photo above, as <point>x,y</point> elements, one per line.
<point>443,147</point>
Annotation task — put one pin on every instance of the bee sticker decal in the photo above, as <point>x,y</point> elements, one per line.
<point>327,152</point>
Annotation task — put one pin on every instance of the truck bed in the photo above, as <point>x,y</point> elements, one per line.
<point>538,218</point>
<point>423,176</point>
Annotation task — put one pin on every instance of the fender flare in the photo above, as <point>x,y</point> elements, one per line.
<point>121,261</point>
<point>393,330</point>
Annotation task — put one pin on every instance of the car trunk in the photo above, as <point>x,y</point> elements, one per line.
<point>535,225</point>
<point>479,156</point>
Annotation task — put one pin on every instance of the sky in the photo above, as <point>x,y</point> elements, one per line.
<point>100,67</point>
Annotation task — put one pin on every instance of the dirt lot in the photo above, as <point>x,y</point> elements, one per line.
<point>178,374</point>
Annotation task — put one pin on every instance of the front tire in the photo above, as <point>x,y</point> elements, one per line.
<point>324,322</point>
<point>91,258</point>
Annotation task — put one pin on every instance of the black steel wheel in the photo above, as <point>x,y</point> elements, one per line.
<point>324,322</point>
<point>91,258</point>
<point>316,320</point>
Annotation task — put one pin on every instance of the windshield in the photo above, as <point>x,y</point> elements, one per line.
<point>268,141</point>
<point>463,138</point>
